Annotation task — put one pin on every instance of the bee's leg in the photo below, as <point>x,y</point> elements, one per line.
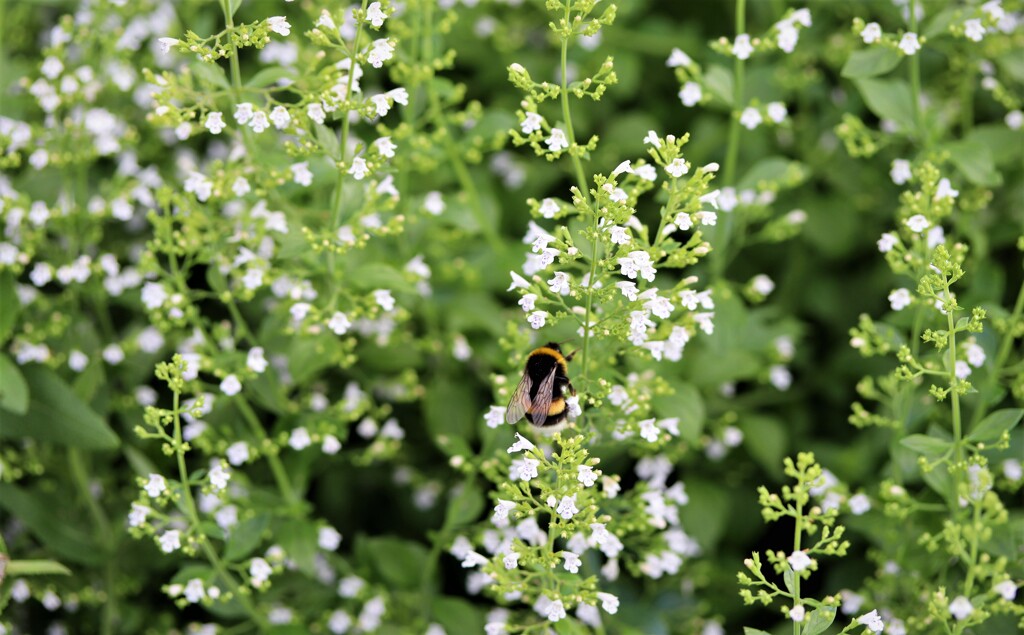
<point>569,357</point>
<point>569,387</point>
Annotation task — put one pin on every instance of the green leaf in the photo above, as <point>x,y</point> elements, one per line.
<point>974,160</point>
<point>789,579</point>
<point>57,415</point>
<point>451,413</point>
<point>245,537</point>
<point>379,276</point>
<point>719,82</point>
<point>400,563</point>
<point>37,510</point>
<point>765,438</point>
<point>754,631</point>
<point>19,568</point>
<point>268,76</point>
<point>889,99</point>
<point>774,170</point>
<point>233,6</point>
<point>706,514</point>
<point>464,507</point>
<point>871,62</point>
<point>210,73</point>
<point>457,615</point>
<point>939,25</point>
<point>13,389</point>
<point>994,425</point>
<point>328,140</point>
<point>10,306</point>
<point>926,445</point>
<point>688,405</point>
<point>819,620</point>
<point>299,540</point>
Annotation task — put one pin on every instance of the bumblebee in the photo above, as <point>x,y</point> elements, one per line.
<point>540,395</point>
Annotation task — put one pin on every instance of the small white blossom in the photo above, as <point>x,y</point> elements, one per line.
<point>495,416</point>
<point>945,190</point>
<point>887,242</point>
<point>537,319</point>
<point>215,122</point>
<point>280,118</point>
<point>917,223</point>
<point>359,168</point>
<point>691,94</point>
<point>243,113</point>
<point>299,438</point>
<point>872,621</point>
<point>219,477</point>
<point>909,43</point>
<point>900,171</point>
<point>609,602</point>
<point>339,323</point>
<point>859,504</point>
<point>1007,589</point>
<point>567,507</point>
<point>557,141</point>
<point>797,613</point>
<point>380,52</point>
<point>799,560</point>
<point>279,24</point>
<point>328,538</point>
<point>555,611</point>
<point>528,301</point>
<point>520,445</point>
<point>899,299</point>
<point>375,15</point>
<point>531,123</point>
<point>155,485</point>
<point>433,203</point>
<point>750,118</point>
<point>678,58</point>
<point>777,111</point>
<point>170,541</point>
<point>231,386</point>
<point>237,453</point>
<point>259,571</point>
<point>384,299</point>
<point>871,33</point>
<point>974,30</point>
<point>742,47</point>
<point>572,562</point>
<point>586,475</point>
<point>255,360</point>
<point>961,607</point>
<point>677,167</point>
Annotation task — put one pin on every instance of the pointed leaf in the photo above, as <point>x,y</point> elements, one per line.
<point>871,62</point>
<point>926,445</point>
<point>13,389</point>
<point>994,425</point>
<point>10,306</point>
<point>57,415</point>
<point>819,620</point>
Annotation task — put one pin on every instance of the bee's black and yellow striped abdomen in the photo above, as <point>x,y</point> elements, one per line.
<point>539,364</point>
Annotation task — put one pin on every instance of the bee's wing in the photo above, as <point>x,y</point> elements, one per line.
<point>520,401</point>
<point>542,399</point>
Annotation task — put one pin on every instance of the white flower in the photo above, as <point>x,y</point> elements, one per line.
<point>572,562</point>
<point>243,113</point>
<point>945,190</point>
<point>797,613</point>
<point>691,94</point>
<point>780,377</point>
<point>648,430</point>
<point>528,302</point>
<point>153,295</point>
<point>299,438</point>
<point>975,355</point>
<point>586,475</point>
<point>1014,119</point>
<point>502,509</point>
<point>237,453</point>
<point>137,516</point>
<point>375,15</point>
<point>872,621</point>
<point>887,242</point>
<point>900,172</point>
<point>259,571</point>
<point>548,208</point>
<point>77,361</point>
<point>279,24</point>
<point>231,386</point>
<point>557,141</point>
<point>962,369</point>
<point>511,559</point>
<point>622,167</point>
<point>677,58</point>
<point>859,504</point>
<point>974,30</point>
<point>495,416</point>
<point>255,360</point>
<point>917,223</point>
<point>706,218</point>
<point>799,560</point>
<point>788,37</point>
<point>532,122</point>
<point>572,403</point>
<point>155,485</point>
<point>241,186</point>
<point>742,48</point>
<point>328,538</point>
<point>219,477</point>
<point>259,122</point>
<point>638,263</point>
<point>330,445</point>
<point>628,289</point>
<point>215,122</point>
<point>555,611</point>
<point>520,444</point>
<point>777,111</point>
<point>750,118</point>
<point>1007,589</point>
<point>280,118</point>
<point>165,44</point>
<point>537,319</point>
<point>315,111</point>
<point>871,33</point>
<point>677,167</point>
<point>339,323</point>
<point>518,282</point>
<point>359,169</point>
<point>170,541</point>
<point>380,52</point>
<point>961,607</point>
<point>433,203</point>
<point>567,507</point>
<point>609,602</point>
<point>528,469</point>
<point>899,299</point>
<point>762,284</point>
<point>384,299</point>
<point>909,43</point>
<point>559,284</point>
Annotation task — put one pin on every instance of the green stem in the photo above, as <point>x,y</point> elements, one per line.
<point>284,484</point>
<point>720,235</point>
<point>577,164</point>
<point>958,450</point>
<point>973,564</point>
<point>915,80</point>
<point>193,515</point>
<point>797,536</point>
<point>105,537</point>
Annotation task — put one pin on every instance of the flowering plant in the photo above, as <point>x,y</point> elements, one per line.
<point>271,272</point>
